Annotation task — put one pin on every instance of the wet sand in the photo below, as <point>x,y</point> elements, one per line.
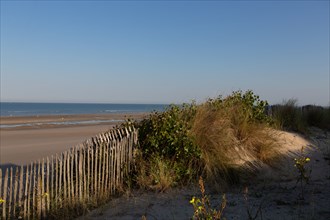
<point>38,137</point>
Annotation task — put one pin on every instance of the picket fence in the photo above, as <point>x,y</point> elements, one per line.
<point>86,173</point>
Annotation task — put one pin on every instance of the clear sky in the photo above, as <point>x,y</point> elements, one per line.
<point>164,51</point>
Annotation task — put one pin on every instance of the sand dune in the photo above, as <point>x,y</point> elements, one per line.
<point>273,190</point>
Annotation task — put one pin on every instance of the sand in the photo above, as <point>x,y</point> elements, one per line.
<point>273,191</point>
<point>42,136</point>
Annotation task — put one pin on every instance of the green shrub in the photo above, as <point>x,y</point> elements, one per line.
<point>248,103</point>
<point>166,135</point>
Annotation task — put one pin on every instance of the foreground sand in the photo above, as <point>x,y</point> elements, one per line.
<point>273,191</point>
<point>43,136</point>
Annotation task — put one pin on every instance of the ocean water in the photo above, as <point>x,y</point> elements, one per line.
<point>33,109</point>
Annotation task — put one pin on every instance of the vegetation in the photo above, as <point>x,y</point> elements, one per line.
<point>224,139</point>
<point>289,116</point>
<point>232,132</point>
<point>304,174</point>
<point>167,153</point>
<point>203,208</point>
<point>317,116</point>
<point>217,139</point>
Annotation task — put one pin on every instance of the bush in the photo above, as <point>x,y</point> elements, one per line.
<point>217,138</point>
<point>165,135</point>
<point>248,102</point>
<point>232,132</point>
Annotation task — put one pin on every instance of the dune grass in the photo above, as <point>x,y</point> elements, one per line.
<point>234,136</point>
<point>317,116</point>
<point>289,116</point>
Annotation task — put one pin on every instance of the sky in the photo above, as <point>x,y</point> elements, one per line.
<point>164,51</point>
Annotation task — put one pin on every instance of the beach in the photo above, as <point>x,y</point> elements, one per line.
<point>24,139</point>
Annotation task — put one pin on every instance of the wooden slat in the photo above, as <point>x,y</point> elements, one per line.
<point>84,153</point>
<point>40,188</point>
<point>103,167</point>
<point>80,179</point>
<point>26,192</point>
<point>14,202</point>
<point>5,186</point>
<point>74,175</point>
<point>56,173</point>
<point>114,166</point>
<point>99,169</point>
<point>92,172</point>
<point>33,205</point>
<point>60,181</point>
<point>68,177</point>
<point>47,179</point>
<point>109,165</point>
<point>21,189</point>
<point>88,173</point>
<point>121,169</point>
<point>117,163</point>
<point>106,170</point>
<point>51,178</point>
<point>10,192</point>
<point>95,171</point>
<point>74,170</point>
<point>64,177</point>
<point>52,183</point>
<point>43,197</point>
<point>29,193</point>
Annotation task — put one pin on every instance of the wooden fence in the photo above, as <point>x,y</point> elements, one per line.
<point>84,174</point>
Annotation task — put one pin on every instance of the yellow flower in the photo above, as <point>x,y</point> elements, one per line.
<point>1,201</point>
<point>307,159</point>
<point>192,200</point>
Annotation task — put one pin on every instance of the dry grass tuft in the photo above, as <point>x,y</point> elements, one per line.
<point>156,174</point>
<point>230,142</point>
<point>288,116</point>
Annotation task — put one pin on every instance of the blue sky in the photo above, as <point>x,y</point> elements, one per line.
<point>164,51</point>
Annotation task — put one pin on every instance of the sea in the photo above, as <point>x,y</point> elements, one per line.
<point>34,109</point>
